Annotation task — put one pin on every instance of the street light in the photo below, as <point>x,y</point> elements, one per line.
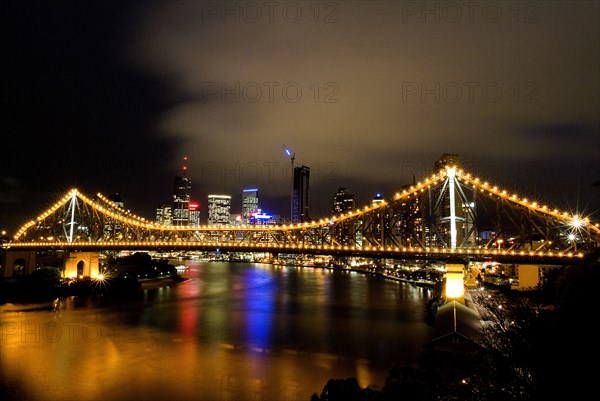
<point>292,155</point>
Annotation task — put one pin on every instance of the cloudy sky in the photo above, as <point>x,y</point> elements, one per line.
<point>109,96</point>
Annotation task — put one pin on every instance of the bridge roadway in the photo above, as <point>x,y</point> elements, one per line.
<point>461,255</point>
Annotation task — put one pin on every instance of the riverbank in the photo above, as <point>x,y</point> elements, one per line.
<point>23,292</point>
<point>415,282</point>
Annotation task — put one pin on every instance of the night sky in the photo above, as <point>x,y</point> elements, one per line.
<point>109,96</point>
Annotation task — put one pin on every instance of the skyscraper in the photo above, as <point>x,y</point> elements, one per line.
<point>194,208</point>
<point>342,201</point>
<point>300,200</point>
<point>163,215</point>
<point>409,227</point>
<point>249,204</point>
<point>377,199</point>
<point>219,209</point>
<point>182,190</point>
<point>445,160</point>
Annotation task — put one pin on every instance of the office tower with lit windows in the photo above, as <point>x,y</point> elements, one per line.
<point>342,201</point>
<point>182,191</point>
<point>249,204</point>
<point>163,215</point>
<point>377,199</point>
<point>219,209</point>
<point>446,160</point>
<point>300,198</point>
<point>180,212</point>
<point>409,227</point>
<point>194,208</point>
<point>379,224</point>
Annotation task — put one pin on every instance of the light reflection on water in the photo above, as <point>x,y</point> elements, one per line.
<point>230,332</point>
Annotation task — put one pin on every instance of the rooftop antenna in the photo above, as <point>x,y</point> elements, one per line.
<point>184,166</point>
<point>292,155</point>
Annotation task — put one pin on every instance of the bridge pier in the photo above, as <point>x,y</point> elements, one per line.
<point>455,282</point>
<point>81,264</point>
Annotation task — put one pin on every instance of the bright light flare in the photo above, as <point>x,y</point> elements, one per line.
<point>455,287</point>
<point>577,223</point>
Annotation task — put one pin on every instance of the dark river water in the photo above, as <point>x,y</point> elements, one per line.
<point>233,331</point>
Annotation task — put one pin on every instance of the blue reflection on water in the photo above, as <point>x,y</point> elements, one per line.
<point>260,292</point>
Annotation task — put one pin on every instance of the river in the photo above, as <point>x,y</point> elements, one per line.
<point>232,331</point>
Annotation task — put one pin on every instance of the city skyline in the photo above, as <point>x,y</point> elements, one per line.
<point>108,97</point>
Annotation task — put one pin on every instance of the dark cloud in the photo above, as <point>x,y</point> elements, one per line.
<point>110,95</point>
<point>75,114</point>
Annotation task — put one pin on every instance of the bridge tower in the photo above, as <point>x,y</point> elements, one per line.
<point>451,213</point>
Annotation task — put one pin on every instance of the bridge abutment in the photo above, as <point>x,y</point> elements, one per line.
<point>82,264</point>
<point>18,263</point>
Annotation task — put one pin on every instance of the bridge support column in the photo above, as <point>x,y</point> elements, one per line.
<point>528,277</point>
<point>82,264</point>
<point>455,282</point>
<point>18,263</point>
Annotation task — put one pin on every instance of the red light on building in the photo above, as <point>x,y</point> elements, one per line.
<point>194,206</point>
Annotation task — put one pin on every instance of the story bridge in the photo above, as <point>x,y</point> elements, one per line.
<point>450,216</point>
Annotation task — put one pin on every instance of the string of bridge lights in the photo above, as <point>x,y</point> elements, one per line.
<point>269,247</point>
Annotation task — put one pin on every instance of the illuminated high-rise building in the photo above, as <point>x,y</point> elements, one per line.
<point>249,204</point>
<point>300,199</point>
<point>163,215</point>
<point>377,199</point>
<point>446,160</point>
<point>377,224</point>
<point>194,213</point>
<point>219,209</point>
<point>182,190</point>
<point>409,227</point>
<point>342,201</point>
